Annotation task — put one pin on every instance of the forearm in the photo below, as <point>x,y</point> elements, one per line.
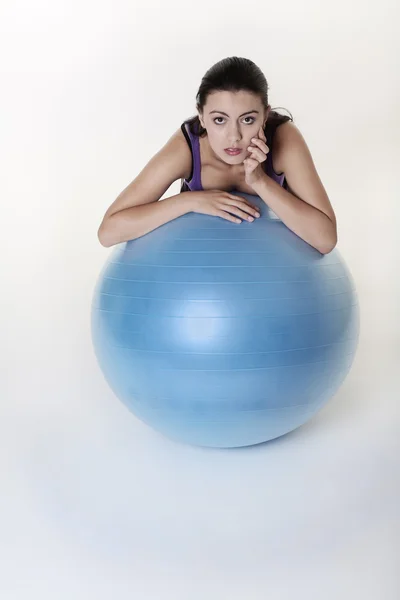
<point>131,223</point>
<point>306,221</point>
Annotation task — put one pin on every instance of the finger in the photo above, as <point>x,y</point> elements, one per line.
<point>251,208</point>
<point>245,205</point>
<point>258,154</point>
<point>246,216</point>
<point>238,211</point>
<point>227,216</point>
<point>262,137</point>
<point>237,198</point>
<point>260,144</point>
<point>253,162</point>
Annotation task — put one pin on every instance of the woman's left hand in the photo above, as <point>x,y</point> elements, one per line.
<point>253,170</point>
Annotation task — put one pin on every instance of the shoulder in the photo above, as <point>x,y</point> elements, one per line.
<point>180,140</point>
<point>288,143</point>
<point>181,135</point>
<point>184,143</point>
<point>288,132</point>
<point>173,159</point>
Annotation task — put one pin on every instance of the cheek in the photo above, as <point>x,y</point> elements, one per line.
<point>216,138</point>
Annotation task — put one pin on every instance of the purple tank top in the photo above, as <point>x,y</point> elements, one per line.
<point>194,183</point>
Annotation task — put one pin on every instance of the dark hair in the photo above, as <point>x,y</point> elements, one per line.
<point>233,74</point>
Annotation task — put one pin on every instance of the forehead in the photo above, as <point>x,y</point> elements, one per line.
<point>233,101</point>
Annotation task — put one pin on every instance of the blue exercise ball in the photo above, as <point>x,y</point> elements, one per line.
<point>221,334</point>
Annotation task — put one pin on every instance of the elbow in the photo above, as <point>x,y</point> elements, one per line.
<point>111,232</point>
<point>327,236</point>
<point>104,235</point>
<point>104,242</point>
<point>328,244</point>
<point>326,249</point>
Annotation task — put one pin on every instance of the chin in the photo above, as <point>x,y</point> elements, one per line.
<point>236,159</point>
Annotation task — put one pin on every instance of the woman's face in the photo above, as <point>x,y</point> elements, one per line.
<point>231,120</point>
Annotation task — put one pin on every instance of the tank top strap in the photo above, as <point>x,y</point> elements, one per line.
<point>194,181</point>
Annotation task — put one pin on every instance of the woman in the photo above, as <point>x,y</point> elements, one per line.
<point>235,142</point>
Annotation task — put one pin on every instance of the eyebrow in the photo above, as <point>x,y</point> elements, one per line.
<point>242,115</point>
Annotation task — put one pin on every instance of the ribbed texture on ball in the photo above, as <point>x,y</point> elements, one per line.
<point>222,334</point>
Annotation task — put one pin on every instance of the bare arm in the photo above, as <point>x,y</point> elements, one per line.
<point>137,210</point>
<point>305,206</point>
<point>136,221</point>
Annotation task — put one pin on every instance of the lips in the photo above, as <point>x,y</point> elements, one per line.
<point>233,151</point>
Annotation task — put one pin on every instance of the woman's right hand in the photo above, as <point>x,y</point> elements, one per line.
<point>220,203</point>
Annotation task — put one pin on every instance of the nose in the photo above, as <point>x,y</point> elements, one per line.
<point>234,135</point>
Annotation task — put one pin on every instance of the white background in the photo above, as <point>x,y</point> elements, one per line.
<point>93,503</point>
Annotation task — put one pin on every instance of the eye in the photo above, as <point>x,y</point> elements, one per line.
<point>251,122</point>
